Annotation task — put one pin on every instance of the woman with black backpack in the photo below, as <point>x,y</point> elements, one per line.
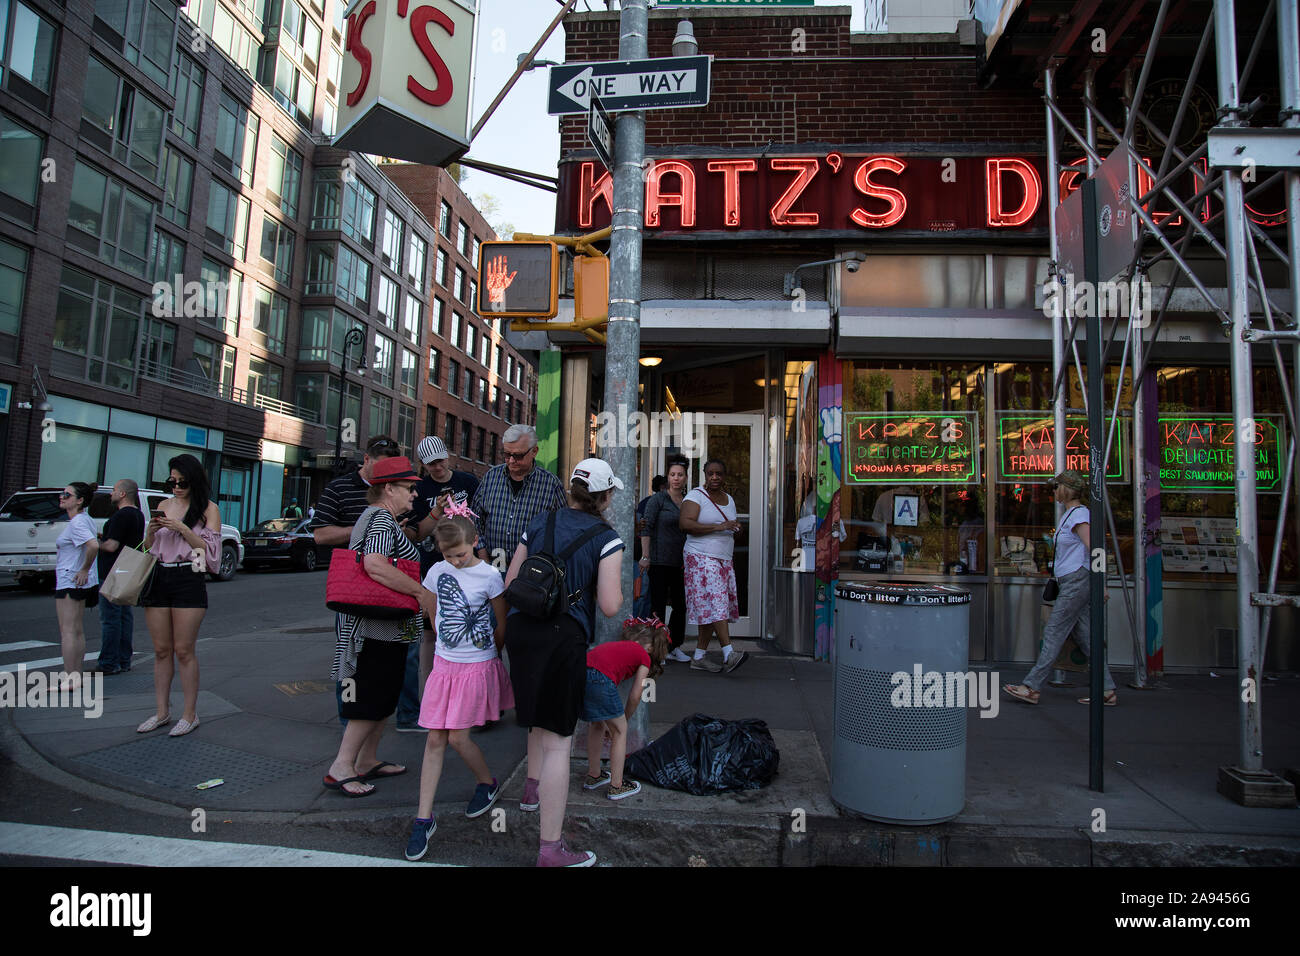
<point>567,564</point>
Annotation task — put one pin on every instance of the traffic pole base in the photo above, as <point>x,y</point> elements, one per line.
<point>1256,788</point>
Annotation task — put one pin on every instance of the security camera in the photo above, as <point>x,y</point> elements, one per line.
<point>852,264</point>
<point>852,260</point>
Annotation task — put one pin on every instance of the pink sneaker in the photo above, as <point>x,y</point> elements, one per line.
<point>530,800</point>
<point>558,854</point>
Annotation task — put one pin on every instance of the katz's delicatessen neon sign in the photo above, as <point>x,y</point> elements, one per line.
<point>830,192</point>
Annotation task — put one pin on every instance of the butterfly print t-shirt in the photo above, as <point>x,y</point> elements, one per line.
<point>464,624</point>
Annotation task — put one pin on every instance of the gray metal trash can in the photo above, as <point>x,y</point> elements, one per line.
<point>898,753</point>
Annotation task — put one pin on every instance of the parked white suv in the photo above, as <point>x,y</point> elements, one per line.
<point>30,522</point>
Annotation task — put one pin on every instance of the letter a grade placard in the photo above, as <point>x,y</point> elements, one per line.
<point>407,84</point>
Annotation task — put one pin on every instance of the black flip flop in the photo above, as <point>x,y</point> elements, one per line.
<point>331,784</point>
<point>374,774</point>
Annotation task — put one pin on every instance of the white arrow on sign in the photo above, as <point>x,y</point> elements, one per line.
<point>579,89</point>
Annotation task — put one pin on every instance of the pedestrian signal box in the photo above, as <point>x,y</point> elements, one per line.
<point>518,279</point>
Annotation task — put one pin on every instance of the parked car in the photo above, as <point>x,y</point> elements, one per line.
<point>284,541</point>
<point>30,524</point>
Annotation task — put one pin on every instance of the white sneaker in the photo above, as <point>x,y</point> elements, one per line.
<point>679,655</point>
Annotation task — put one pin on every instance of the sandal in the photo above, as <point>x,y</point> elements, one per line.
<point>1021,692</point>
<point>377,771</point>
<point>339,785</point>
<point>153,723</point>
<point>1108,699</point>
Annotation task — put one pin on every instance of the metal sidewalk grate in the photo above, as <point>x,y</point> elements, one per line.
<point>180,764</point>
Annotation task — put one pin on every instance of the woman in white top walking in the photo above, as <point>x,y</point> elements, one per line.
<point>709,520</point>
<point>1070,612</point>
<point>76,578</point>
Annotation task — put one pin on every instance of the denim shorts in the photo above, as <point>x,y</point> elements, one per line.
<point>601,700</point>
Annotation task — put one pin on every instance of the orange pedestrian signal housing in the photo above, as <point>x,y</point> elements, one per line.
<point>518,279</point>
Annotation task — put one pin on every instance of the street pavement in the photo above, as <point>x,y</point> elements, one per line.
<point>269,730</point>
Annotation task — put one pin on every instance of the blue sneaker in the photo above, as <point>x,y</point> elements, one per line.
<point>421,833</point>
<point>484,796</point>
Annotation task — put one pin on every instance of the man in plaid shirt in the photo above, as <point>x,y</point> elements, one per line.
<point>511,495</point>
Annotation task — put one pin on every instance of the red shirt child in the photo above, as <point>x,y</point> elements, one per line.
<point>618,660</point>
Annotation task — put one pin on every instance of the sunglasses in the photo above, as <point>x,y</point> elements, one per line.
<point>180,483</point>
<point>386,445</point>
<point>519,455</point>
<point>66,494</point>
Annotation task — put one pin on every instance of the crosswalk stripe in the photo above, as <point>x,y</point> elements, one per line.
<point>24,646</point>
<point>46,662</point>
<point>133,849</point>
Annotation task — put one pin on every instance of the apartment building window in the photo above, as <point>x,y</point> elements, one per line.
<point>95,329</point>
<point>110,220</point>
<point>473,294</point>
<point>413,319</point>
<point>484,345</point>
<point>167,255</point>
<point>358,215</point>
<point>473,258</point>
<point>496,401</point>
<point>434,359</point>
<point>454,337</point>
<point>13,282</point>
<point>187,87</point>
<point>418,263</point>
<point>453,376</point>
<point>483,394</point>
<point>444,219</point>
<point>460,283</point>
<point>466,432</point>
<point>450,435</point>
<point>388,301</point>
<point>270,318</point>
<point>26,53</point>
<point>482,443</point>
<point>21,150</point>
<point>465,239</point>
<point>406,428</point>
<point>469,387</point>
<point>394,240</point>
<point>285,183</point>
<point>226,32</point>
<point>326,200</point>
<point>223,294</point>
<point>440,269</point>
<point>320,268</point>
<point>430,420</point>
<point>178,187</point>
<point>353,285</point>
<point>217,362</point>
<point>469,339</point>
<point>383,361</point>
<point>264,378</point>
<point>237,130</point>
<point>145,31</point>
<point>296,62</point>
<point>159,343</point>
<point>227,220</point>
<point>410,375</point>
<point>381,414</point>
<point>277,248</point>
<point>496,360</point>
<point>121,120</point>
<point>323,333</point>
<point>437,305</point>
<point>318,394</point>
<point>294,89</point>
<point>492,453</point>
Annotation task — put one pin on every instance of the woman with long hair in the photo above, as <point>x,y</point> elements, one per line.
<point>184,534</point>
<point>709,519</point>
<point>76,579</point>
<point>662,547</point>
<point>548,658</point>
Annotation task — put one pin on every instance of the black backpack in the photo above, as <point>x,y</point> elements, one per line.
<point>540,590</point>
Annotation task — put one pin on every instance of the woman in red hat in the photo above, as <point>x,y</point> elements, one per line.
<point>370,656</point>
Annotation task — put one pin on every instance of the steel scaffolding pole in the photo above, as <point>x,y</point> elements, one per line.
<point>1288,55</point>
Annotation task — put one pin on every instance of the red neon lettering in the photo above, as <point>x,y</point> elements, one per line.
<point>655,197</point>
<point>1068,177</point>
<point>866,430</point>
<point>1264,218</point>
<point>1144,184</point>
<point>1172,436</point>
<point>731,170</point>
<point>356,23</point>
<point>420,33</point>
<point>780,212</point>
<point>997,215</point>
<point>862,182</point>
<point>590,189</point>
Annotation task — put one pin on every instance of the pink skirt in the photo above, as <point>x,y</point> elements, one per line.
<point>460,696</point>
<point>710,590</point>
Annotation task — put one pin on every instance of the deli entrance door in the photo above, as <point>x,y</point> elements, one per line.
<point>738,441</point>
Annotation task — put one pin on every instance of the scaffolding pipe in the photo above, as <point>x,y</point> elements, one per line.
<point>1288,56</point>
<point>1058,342</point>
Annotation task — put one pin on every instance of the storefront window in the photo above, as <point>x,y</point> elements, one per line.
<point>74,457</point>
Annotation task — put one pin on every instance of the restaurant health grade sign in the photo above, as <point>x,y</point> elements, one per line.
<point>1197,452</point>
<point>1027,447</point>
<point>928,448</point>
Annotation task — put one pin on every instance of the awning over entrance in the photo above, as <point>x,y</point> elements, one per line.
<point>719,321</point>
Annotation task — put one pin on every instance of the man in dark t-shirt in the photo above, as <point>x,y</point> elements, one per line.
<point>124,529</point>
<point>440,486</point>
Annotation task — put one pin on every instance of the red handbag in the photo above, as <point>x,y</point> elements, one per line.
<point>350,590</point>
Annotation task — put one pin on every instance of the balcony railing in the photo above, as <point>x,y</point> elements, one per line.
<point>203,385</point>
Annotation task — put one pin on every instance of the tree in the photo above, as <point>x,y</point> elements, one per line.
<point>490,207</point>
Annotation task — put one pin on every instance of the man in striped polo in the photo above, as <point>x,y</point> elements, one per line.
<point>511,495</point>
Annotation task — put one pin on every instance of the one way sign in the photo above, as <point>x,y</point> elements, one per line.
<point>630,84</point>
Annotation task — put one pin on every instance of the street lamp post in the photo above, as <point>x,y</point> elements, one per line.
<point>355,336</point>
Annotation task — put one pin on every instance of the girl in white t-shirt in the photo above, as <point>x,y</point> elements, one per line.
<point>468,685</point>
<point>76,578</point>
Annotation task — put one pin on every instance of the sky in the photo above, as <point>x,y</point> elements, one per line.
<point>520,134</point>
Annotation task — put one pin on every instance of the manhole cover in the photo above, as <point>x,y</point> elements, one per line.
<point>179,765</point>
<point>299,687</point>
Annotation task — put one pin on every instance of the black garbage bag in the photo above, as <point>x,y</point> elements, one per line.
<point>704,755</point>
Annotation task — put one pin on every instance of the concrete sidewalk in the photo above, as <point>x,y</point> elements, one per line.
<point>269,729</point>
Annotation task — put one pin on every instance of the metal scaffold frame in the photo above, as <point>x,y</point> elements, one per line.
<point>1230,154</point>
